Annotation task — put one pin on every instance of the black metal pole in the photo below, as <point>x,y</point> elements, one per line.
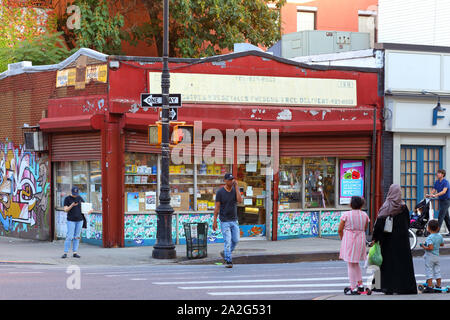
<point>164,247</point>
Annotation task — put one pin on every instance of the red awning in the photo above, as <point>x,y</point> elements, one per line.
<point>74,123</point>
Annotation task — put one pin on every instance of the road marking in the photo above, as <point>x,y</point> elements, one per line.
<point>24,272</point>
<point>270,286</point>
<point>251,281</point>
<point>252,293</point>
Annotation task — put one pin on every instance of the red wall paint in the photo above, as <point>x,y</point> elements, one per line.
<point>332,15</point>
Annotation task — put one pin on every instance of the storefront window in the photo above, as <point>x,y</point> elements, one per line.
<point>63,182</point>
<point>141,171</point>
<point>320,184</point>
<point>86,175</point>
<point>290,185</point>
<point>181,179</point>
<point>252,185</point>
<point>209,180</point>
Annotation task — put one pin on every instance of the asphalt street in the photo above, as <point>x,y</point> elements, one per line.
<point>290,281</point>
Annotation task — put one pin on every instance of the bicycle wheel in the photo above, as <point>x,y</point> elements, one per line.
<point>412,239</point>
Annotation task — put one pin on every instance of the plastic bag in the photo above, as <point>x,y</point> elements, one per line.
<point>375,257</point>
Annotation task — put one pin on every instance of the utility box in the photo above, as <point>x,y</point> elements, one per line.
<point>314,42</point>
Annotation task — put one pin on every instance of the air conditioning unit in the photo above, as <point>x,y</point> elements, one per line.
<point>35,141</point>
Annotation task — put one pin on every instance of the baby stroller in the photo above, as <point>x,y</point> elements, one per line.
<point>420,217</point>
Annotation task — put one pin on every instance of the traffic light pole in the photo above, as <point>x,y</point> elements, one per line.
<point>164,247</point>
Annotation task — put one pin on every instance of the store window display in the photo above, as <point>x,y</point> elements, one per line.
<point>290,184</point>
<point>252,185</point>
<point>209,181</point>
<point>86,175</point>
<point>181,179</point>
<point>320,176</point>
<point>140,182</point>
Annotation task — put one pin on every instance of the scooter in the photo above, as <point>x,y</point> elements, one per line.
<point>422,287</point>
<point>366,291</point>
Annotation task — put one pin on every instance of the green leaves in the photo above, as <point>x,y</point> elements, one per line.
<point>201,28</point>
<point>45,49</point>
<point>99,30</point>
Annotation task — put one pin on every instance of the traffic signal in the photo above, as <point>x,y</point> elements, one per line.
<point>154,134</point>
<point>183,134</point>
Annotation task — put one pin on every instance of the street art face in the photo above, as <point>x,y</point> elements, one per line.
<point>24,192</point>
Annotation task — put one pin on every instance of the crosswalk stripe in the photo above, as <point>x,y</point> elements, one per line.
<point>251,281</point>
<point>271,292</point>
<point>270,286</point>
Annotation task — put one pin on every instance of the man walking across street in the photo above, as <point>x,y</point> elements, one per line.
<point>441,190</point>
<point>227,198</point>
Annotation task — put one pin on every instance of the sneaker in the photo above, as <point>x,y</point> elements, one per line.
<point>229,264</point>
<point>76,255</point>
<point>64,256</point>
<point>350,292</point>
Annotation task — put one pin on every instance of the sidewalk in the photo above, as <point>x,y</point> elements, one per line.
<point>21,251</point>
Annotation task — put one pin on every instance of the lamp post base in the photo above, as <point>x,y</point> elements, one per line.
<point>161,252</point>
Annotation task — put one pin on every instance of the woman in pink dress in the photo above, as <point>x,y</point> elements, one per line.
<point>352,231</point>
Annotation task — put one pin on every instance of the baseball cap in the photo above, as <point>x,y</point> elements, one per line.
<point>75,191</point>
<point>228,176</point>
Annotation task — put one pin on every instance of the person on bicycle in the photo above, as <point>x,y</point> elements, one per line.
<point>441,190</point>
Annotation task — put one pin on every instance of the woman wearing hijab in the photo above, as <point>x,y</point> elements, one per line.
<point>397,270</point>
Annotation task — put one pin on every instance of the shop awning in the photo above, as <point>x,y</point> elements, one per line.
<point>73,123</point>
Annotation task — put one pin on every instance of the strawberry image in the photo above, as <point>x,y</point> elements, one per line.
<point>356,174</point>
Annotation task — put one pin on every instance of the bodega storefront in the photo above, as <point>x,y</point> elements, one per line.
<point>283,128</point>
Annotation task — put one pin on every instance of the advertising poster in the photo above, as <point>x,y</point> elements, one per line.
<point>352,180</point>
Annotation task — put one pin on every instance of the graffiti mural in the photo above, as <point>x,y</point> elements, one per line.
<point>24,193</point>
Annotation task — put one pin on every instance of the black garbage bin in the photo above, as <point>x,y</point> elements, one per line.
<point>196,239</point>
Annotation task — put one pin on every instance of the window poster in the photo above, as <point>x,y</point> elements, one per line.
<point>351,180</point>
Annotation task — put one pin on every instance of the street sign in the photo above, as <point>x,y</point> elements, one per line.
<point>173,114</point>
<point>155,100</point>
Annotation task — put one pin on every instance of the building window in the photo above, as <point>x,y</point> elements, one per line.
<point>366,23</point>
<point>307,183</point>
<point>86,175</point>
<point>306,20</point>
<point>140,182</point>
<point>418,167</point>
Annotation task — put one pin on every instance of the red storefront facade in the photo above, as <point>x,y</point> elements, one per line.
<point>105,130</point>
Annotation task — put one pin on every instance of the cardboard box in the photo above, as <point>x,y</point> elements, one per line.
<point>258,191</point>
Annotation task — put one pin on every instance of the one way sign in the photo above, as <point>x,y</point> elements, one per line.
<point>173,114</point>
<point>155,100</point>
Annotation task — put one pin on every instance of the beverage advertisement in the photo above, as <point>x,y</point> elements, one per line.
<point>351,179</point>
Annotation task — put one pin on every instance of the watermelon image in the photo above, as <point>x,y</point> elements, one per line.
<point>356,174</point>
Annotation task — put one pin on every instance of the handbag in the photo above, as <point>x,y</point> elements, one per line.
<point>388,224</point>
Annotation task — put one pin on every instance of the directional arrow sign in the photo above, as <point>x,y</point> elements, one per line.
<point>173,114</point>
<point>155,100</point>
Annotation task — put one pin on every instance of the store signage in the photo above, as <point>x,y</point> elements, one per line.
<point>237,89</point>
<point>67,77</point>
<point>155,100</point>
<point>351,180</point>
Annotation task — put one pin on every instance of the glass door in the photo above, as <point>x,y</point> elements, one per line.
<point>252,212</point>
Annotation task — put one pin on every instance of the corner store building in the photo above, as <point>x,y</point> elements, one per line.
<point>98,141</point>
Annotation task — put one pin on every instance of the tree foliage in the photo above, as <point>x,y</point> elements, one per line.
<point>207,27</point>
<point>99,30</point>
<point>25,34</point>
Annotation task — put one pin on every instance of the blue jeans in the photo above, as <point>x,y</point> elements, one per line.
<point>73,233</point>
<point>230,232</point>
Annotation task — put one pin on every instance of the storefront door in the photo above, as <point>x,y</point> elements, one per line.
<point>252,212</point>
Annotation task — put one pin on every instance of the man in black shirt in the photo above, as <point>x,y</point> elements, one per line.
<point>72,205</point>
<point>227,198</point>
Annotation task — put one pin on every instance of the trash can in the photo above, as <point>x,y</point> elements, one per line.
<point>196,239</point>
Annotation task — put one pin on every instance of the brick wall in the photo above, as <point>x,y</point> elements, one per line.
<point>23,98</point>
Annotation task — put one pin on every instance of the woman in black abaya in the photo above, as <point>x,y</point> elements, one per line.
<point>397,270</point>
